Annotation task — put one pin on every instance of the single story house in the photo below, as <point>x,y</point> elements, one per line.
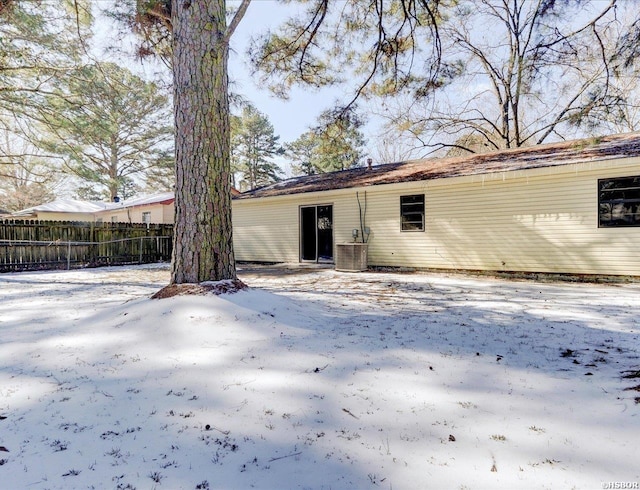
<point>157,208</point>
<point>62,210</point>
<point>154,209</point>
<point>569,207</point>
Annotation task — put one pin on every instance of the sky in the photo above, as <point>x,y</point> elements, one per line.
<point>290,117</point>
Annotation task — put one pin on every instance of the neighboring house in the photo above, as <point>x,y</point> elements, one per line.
<point>158,208</point>
<point>570,207</point>
<point>62,210</point>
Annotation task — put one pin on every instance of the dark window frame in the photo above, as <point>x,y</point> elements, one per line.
<point>616,195</point>
<point>408,212</point>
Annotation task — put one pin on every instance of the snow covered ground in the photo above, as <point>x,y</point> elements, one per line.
<point>317,379</point>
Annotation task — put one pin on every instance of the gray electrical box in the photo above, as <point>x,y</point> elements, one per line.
<point>351,257</point>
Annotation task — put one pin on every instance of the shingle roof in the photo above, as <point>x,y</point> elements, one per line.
<point>554,154</point>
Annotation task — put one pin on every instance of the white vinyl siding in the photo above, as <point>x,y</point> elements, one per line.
<point>537,220</point>
<point>268,229</point>
<point>267,232</point>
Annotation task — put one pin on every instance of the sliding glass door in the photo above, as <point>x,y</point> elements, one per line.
<point>316,233</point>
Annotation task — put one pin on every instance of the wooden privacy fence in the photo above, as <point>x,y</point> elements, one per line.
<point>42,245</point>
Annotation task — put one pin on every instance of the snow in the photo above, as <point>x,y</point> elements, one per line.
<point>162,197</point>
<point>317,379</point>
<point>66,206</point>
<point>75,206</point>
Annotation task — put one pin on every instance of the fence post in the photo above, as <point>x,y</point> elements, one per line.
<point>69,255</point>
<point>140,259</point>
<point>93,246</point>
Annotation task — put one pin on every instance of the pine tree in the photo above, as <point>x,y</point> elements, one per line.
<point>26,176</point>
<point>203,244</point>
<point>254,145</point>
<point>302,153</point>
<point>335,143</point>
<point>203,237</point>
<point>39,47</point>
<point>108,126</point>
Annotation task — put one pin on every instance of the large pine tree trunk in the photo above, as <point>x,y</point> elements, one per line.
<point>202,244</point>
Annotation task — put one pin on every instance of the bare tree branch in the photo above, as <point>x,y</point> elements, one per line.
<point>231,28</point>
